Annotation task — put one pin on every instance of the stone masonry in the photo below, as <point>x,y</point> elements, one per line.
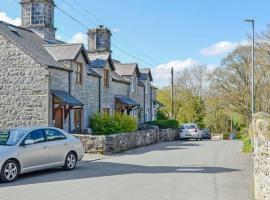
<point>23,88</point>
<point>124,141</point>
<point>261,131</point>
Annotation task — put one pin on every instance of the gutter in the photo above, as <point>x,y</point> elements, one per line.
<point>144,103</point>
<point>99,94</point>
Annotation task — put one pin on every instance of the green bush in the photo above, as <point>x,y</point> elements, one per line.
<point>238,136</point>
<point>247,148</point>
<point>161,115</point>
<point>226,136</point>
<point>106,125</point>
<point>164,124</point>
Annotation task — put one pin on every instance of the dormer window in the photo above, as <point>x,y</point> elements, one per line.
<point>79,73</point>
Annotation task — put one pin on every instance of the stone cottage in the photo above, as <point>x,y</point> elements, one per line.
<point>44,81</point>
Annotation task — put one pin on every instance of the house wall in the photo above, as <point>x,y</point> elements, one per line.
<point>87,93</point>
<point>58,81</point>
<point>24,88</point>
<point>115,88</point>
<point>148,102</point>
<point>140,99</point>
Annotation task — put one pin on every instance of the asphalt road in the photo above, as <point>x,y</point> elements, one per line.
<point>204,170</point>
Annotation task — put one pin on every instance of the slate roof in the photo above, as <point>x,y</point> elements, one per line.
<point>127,101</point>
<point>99,60</point>
<point>93,72</point>
<point>145,72</point>
<point>30,43</point>
<point>67,98</point>
<point>66,51</point>
<point>126,69</point>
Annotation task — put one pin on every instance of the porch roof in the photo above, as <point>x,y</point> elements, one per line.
<point>67,98</point>
<point>155,102</point>
<point>127,101</point>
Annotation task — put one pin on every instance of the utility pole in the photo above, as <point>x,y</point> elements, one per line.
<point>172,92</point>
<point>252,21</point>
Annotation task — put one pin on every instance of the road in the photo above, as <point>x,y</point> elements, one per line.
<point>204,170</point>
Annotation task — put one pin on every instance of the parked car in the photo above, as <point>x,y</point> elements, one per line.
<point>189,131</point>
<point>24,150</point>
<point>205,134</point>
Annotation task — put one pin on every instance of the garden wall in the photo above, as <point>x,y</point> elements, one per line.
<point>261,130</point>
<point>125,141</point>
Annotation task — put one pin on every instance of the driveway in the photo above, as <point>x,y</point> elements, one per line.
<point>204,170</point>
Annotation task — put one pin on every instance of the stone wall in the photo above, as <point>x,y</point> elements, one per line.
<point>125,141</point>
<point>92,143</point>
<point>261,131</point>
<point>24,88</point>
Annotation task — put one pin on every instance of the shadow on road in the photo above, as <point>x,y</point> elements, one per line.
<point>165,146</point>
<point>88,169</point>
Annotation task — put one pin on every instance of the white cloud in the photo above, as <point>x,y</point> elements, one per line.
<point>162,73</point>
<point>79,38</point>
<point>115,30</point>
<point>221,47</point>
<point>4,17</point>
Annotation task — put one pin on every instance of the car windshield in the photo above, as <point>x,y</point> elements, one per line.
<point>191,127</point>
<point>11,137</point>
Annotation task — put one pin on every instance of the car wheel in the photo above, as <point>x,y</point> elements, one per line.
<point>71,161</point>
<point>9,171</point>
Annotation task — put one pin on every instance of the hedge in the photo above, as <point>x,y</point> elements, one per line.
<point>105,125</point>
<point>164,124</point>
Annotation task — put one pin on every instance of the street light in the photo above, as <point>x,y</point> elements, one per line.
<point>252,21</point>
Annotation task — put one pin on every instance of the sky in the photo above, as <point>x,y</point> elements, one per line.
<point>159,33</point>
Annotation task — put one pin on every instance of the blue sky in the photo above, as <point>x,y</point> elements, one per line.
<point>177,33</point>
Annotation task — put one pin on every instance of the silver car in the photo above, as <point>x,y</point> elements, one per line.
<point>25,150</point>
<point>190,131</point>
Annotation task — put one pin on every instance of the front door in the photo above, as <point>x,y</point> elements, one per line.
<point>59,118</point>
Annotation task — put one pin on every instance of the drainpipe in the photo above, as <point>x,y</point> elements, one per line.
<point>151,103</point>
<point>99,95</point>
<point>144,103</point>
<point>69,91</point>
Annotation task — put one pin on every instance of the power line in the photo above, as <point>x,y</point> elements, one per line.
<point>76,20</point>
<point>85,17</point>
<point>145,62</point>
<point>116,34</point>
<point>86,27</point>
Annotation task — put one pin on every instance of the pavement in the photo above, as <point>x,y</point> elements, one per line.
<point>187,170</point>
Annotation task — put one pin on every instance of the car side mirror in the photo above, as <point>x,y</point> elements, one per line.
<point>29,142</point>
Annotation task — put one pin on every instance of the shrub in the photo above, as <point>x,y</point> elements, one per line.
<point>161,115</point>
<point>238,136</point>
<point>164,124</point>
<point>226,136</point>
<point>105,125</point>
<point>247,147</point>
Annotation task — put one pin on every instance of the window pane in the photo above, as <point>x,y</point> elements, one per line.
<point>53,135</point>
<point>36,136</point>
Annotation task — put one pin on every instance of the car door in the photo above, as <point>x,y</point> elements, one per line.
<point>57,146</point>
<point>34,155</point>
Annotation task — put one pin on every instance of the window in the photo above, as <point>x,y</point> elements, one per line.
<point>133,83</point>
<point>79,72</point>
<point>52,135</point>
<point>146,87</point>
<point>37,136</point>
<point>106,78</point>
<point>78,119</point>
<point>106,111</point>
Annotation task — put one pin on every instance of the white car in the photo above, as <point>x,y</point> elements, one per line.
<point>25,150</point>
<point>189,131</point>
